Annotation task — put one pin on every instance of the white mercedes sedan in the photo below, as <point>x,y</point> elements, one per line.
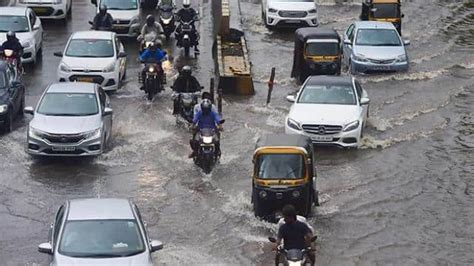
<point>331,110</point>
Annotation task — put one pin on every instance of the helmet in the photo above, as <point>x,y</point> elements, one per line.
<point>206,95</point>
<point>150,20</point>
<point>206,106</point>
<point>11,35</point>
<point>186,70</point>
<point>186,3</point>
<point>103,10</point>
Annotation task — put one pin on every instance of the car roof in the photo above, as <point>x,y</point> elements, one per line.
<point>329,80</point>
<point>93,34</point>
<point>100,209</point>
<point>71,87</point>
<point>13,11</point>
<point>304,34</point>
<point>374,25</point>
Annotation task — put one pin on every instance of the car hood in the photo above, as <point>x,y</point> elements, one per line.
<point>123,14</point>
<point>22,36</point>
<point>65,124</point>
<point>140,259</point>
<point>87,62</point>
<point>292,6</point>
<point>324,114</point>
<point>380,52</point>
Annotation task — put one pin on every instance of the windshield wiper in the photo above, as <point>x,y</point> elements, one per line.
<point>132,253</point>
<point>63,114</point>
<point>99,256</point>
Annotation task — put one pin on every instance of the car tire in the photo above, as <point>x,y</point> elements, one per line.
<point>350,68</point>
<point>22,106</point>
<point>8,126</point>
<point>69,11</point>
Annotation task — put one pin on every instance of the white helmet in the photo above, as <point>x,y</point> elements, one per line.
<point>186,3</point>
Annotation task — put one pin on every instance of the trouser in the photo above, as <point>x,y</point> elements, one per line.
<point>176,105</point>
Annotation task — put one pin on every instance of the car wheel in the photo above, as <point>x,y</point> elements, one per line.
<point>124,76</point>
<point>69,11</point>
<point>8,126</point>
<point>316,198</point>
<point>351,68</point>
<point>22,106</point>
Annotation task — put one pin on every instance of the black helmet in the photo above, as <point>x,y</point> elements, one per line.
<point>150,20</point>
<point>206,106</point>
<point>103,10</point>
<point>186,70</point>
<point>207,95</point>
<point>11,36</point>
<point>186,3</point>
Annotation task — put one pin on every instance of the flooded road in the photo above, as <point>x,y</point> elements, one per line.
<point>405,198</point>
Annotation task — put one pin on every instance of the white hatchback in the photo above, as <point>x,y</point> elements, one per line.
<point>28,30</point>
<point>53,9</point>
<point>93,56</point>
<point>331,110</point>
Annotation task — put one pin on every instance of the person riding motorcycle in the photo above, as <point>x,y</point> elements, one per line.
<point>188,14</point>
<point>206,119</point>
<point>205,95</point>
<point>170,3</point>
<point>151,26</point>
<point>185,83</point>
<point>12,43</point>
<point>103,20</point>
<point>152,54</point>
<point>294,234</point>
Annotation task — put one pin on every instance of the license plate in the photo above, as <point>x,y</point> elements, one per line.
<point>293,21</point>
<point>119,26</point>
<point>381,68</point>
<point>40,9</point>
<point>85,79</point>
<point>321,138</point>
<point>63,148</point>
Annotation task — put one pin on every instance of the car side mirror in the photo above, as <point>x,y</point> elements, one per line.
<point>91,23</point>
<point>155,245</point>
<point>347,42</point>
<point>272,239</point>
<point>122,55</point>
<point>291,98</point>
<point>36,27</point>
<point>94,2</point>
<point>406,42</point>
<point>364,101</point>
<point>403,15</point>
<point>45,248</point>
<point>29,110</point>
<point>107,111</point>
<point>58,54</point>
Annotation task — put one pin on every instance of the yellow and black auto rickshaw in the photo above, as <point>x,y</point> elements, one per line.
<point>383,10</point>
<point>317,52</point>
<point>284,173</point>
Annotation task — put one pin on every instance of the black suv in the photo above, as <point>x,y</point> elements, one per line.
<point>12,96</point>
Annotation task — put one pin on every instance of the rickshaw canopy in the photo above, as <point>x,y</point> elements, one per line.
<point>285,141</point>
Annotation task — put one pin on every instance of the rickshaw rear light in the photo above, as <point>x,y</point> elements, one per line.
<point>262,194</point>
<point>295,194</point>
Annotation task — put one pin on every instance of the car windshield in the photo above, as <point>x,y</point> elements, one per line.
<point>328,94</point>
<point>68,104</point>
<point>101,239</point>
<point>14,23</point>
<point>120,4</point>
<point>377,37</point>
<point>281,166</point>
<point>322,49</point>
<point>90,48</point>
<point>386,11</point>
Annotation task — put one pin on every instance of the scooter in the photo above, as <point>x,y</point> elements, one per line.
<point>294,256</point>
<point>183,37</point>
<point>207,154</point>
<point>167,20</point>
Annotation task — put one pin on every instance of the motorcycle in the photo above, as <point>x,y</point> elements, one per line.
<point>186,103</point>
<point>9,57</point>
<point>153,82</point>
<point>149,39</point>
<point>167,20</point>
<point>207,154</point>
<point>183,37</point>
<point>294,256</point>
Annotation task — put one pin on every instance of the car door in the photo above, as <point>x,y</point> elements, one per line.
<point>56,226</point>
<point>121,61</point>
<point>142,224</point>
<point>347,48</point>
<point>37,29</point>
<point>105,102</point>
<point>361,93</point>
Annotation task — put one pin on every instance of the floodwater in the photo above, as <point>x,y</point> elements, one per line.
<point>405,198</point>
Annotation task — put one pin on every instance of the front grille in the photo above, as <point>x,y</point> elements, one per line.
<point>75,152</point>
<point>292,14</point>
<point>322,129</point>
<point>122,22</point>
<point>86,70</point>
<point>43,11</point>
<point>382,61</point>
<point>64,138</point>
<point>95,78</point>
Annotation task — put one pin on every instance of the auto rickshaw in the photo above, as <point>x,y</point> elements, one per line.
<point>284,173</point>
<point>317,52</point>
<point>383,10</point>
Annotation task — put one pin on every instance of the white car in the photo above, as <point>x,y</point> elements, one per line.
<point>126,15</point>
<point>53,9</point>
<point>93,56</point>
<point>28,30</point>
<point>331,110</point>
<point>289,13</point>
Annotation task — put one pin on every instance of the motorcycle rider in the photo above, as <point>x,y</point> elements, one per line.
<point>188,14</point>
<point>170,3</point>
<point>151,26</point>
<point>12,43</point>
<point>205,95</point>
<point>185,83</point>
<point>206,118</point>
<point>294,233</point>
<point>103,20</point>
<point>152,54</point>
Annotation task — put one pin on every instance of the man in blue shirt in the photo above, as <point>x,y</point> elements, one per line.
<point>152,55</point>
<point>206,118</point>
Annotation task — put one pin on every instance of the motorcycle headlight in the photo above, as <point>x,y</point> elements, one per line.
<point>34,133</point>
<point>272,10</point>
<point>93,134</point>
<point>26,44</point>
<point>3,108</point>
<point>351,126</point>
<point>207,140</point>
<point>166,20</point>
<point>295,193</point>
<point>402,58</point>
<point>312,11</point>
<point>151,69</point>
<point>8,52</point>
<point>65,68</point>
<point>109,68</point>
<point>360,58</point>
<point>293,124</point>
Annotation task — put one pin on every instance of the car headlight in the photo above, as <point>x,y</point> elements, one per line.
<point>26,44</point>
<point>402,58</point>
<point>351,126</point>
<point>293,124</point>
<point>295,193</point>
<point>65,68</point>
<point>272,10</point>
<point>207,140</point>
<point>360,58</point>
<point>109,68</point>
<point>3,108</point>
<point>312,11</point>
<point>35,133</point>
<point>93,134</point>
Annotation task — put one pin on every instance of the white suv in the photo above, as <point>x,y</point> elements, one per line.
<point>28,30</point>
<point>289,13</point>
<point>54,9</point>
<point>330,110</point>
<point>126,15</point>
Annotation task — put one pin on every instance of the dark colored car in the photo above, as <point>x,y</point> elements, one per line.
<point>12,96</point>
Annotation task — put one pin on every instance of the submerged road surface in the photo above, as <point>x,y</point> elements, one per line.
<point>405,198</point>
